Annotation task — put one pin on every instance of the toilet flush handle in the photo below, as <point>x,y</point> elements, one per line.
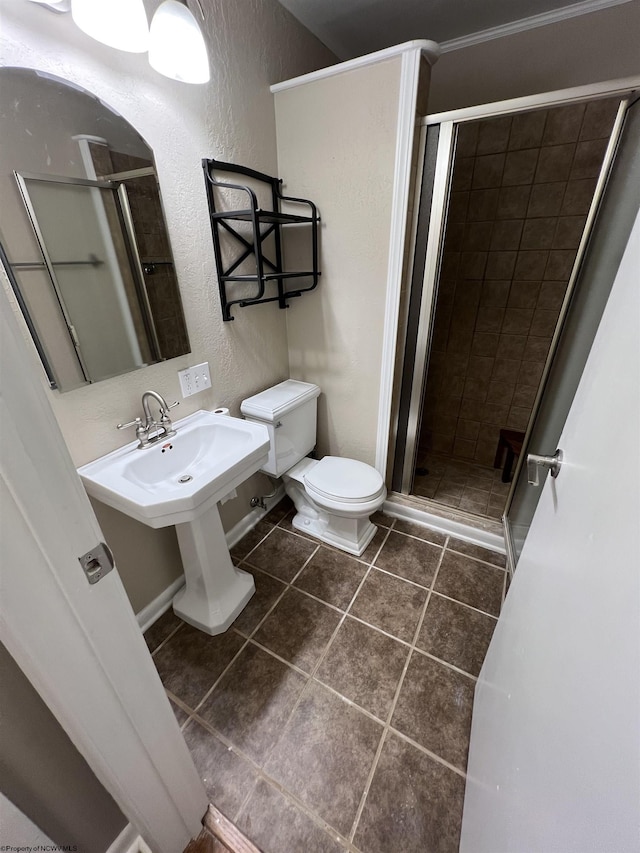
<point>535,463</point>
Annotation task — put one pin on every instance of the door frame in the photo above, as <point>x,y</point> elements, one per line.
<point>79,644</point>
<point>440,188</point>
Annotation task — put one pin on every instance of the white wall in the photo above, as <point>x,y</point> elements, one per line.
<point>590,48</point>
<point>336,146</point>
<point>45,777</point>
<point>555,743</point>
<point>251,45</point>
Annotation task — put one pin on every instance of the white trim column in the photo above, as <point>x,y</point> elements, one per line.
<point>409,78</point>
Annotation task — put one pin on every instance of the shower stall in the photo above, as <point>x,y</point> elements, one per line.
<point>516,207</point>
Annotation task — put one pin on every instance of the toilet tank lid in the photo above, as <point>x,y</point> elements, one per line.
<point>275,402</point>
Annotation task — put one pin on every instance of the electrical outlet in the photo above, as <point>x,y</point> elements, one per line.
<point>194,379</point>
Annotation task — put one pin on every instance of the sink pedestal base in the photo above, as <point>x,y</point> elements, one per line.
<point>216,591</point>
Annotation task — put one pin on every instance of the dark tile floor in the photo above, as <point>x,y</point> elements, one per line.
<point>462,485</point>
<point>335,713</point>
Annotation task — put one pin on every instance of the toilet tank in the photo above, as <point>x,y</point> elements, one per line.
<point>289,411</point>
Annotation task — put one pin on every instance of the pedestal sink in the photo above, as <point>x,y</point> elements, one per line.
<point>179,482</point>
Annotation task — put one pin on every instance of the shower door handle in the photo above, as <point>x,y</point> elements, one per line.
<point>535,463</point>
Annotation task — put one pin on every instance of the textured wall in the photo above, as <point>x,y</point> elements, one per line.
<point>336,145</point>
<point>591,48</point>
<point>252,44</point>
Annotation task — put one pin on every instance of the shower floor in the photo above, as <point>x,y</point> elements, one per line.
<point>335,713</point>
<point>462,485</point>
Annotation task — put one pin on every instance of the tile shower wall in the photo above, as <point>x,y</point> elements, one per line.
<point>521,189</point>
<point>155,253</point>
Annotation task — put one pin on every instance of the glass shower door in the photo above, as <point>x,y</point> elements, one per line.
<point>612,219</point>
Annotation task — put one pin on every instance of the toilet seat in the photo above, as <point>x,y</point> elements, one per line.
<point>335,482</point>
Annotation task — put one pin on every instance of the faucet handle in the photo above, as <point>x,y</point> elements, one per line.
<point>136,423</point>
<point>173,405</point>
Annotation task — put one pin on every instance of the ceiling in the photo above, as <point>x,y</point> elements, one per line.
<point>355,27</point>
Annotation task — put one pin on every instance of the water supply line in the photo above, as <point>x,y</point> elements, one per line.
<point>260,501</point>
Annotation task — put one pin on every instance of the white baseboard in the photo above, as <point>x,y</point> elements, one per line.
<point>129,842</point>
<point>154,610</point>
<point>448,526</point>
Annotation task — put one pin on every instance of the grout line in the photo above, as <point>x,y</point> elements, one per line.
<point>251,550</point>
<point>394,702</point>
<point>288,663</point>
<point>304,808</point>
<point>379,629</point>
<point>477,559</point>
<point>224,671</point>
<point>180,704</point>
<point>322,657</point>
<point>433,755</point>
<point>445,663</point>
<point>374,765</point>
<point>457,601</point>
<point>313,677</point>
<point>168,637</point>
<point>297,573</point>
<point>261,774</point>
<point>319,600</point>
<point>400,577</point>
<point>312,674</point>
<point>464,604</point>
<point>348,701</point>
<point>268,613</point>
<point>418,538</point>
<point>408,645</point>
<point>304,565</point>
<point>264,571</point>
<point>248,639</point>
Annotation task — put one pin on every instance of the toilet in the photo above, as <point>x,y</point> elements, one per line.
<point>334,496</point>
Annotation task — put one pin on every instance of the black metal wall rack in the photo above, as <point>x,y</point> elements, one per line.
<point>264,223</point>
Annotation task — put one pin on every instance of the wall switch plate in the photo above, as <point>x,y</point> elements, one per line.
<point>194,379</point>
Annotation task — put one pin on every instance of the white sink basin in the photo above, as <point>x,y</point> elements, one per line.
<point>183,476</point>
<point>180,481</point>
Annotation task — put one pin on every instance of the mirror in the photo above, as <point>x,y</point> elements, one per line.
<point>83,234</point>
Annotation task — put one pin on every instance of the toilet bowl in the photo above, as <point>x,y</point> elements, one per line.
<point>333,496</point>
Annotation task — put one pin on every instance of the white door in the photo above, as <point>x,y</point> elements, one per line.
<point>80,644</point>
<point>554,764</point>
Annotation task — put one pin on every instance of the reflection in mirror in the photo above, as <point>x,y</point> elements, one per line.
<point>83,233</point>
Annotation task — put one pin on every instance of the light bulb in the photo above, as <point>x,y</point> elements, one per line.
<point>118,23</point>
<point>176,44</point>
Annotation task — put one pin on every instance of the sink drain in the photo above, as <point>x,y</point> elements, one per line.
<point>186,478</point>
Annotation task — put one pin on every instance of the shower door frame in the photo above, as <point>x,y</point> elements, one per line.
<point>411,408</point>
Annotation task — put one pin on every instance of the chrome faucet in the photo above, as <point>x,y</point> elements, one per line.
<point>151,431</point>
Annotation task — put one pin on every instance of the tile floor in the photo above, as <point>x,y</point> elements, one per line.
<point>334,715</point>
<point>467,486</point>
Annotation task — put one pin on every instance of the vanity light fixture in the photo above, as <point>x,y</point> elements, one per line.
<point>117,23</point>
<point>176,45</point>
<point>55,5</point>
<point>175,42</point>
